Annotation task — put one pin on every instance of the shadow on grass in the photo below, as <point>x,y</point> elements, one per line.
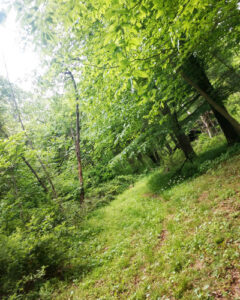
<point>161,181</point>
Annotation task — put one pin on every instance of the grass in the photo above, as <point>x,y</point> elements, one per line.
<point>182,243</point>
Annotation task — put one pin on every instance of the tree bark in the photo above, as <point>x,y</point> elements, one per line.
<point>182,138</point>
<point>201,83</point>
<point>229,125</point>
<point>183,141</point>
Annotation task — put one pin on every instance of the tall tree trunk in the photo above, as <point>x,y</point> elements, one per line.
<point>200,82</point>
<point>77,138</point>
<point>183,141</point>
<point>182,138</point>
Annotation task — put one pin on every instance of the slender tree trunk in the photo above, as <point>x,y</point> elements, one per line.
<point>182,139</point>
<point>35,174</point>
<point>48,177</point>
<point>77,138</point>
<point>200,82</point>
<point>207,127</point>
<point>208,124</point>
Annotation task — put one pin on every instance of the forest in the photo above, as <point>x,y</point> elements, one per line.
<point>119,169</point>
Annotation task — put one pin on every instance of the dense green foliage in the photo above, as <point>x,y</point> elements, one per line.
<point>128,87</point>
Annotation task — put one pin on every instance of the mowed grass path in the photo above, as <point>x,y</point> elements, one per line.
<point>181,244</point>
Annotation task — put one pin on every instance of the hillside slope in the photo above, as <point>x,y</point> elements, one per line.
<point>182,244</point>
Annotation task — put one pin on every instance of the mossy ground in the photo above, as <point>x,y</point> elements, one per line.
<point>183,243</point>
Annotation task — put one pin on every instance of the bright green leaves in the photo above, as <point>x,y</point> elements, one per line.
<point>11,150</point>
<point>135,42</point>
<point>141,74</point>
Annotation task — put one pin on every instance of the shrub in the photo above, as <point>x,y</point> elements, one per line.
<point>38,252</point>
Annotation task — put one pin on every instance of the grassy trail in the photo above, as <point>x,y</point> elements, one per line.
<point>182,244</point>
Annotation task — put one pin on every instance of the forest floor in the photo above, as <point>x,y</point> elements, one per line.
<point>181,244</point>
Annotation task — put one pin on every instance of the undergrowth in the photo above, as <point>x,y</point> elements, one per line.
<point>132,246</point>
<point>217,152</point>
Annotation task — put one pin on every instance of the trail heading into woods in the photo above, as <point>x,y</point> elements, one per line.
<point>183,244</point>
